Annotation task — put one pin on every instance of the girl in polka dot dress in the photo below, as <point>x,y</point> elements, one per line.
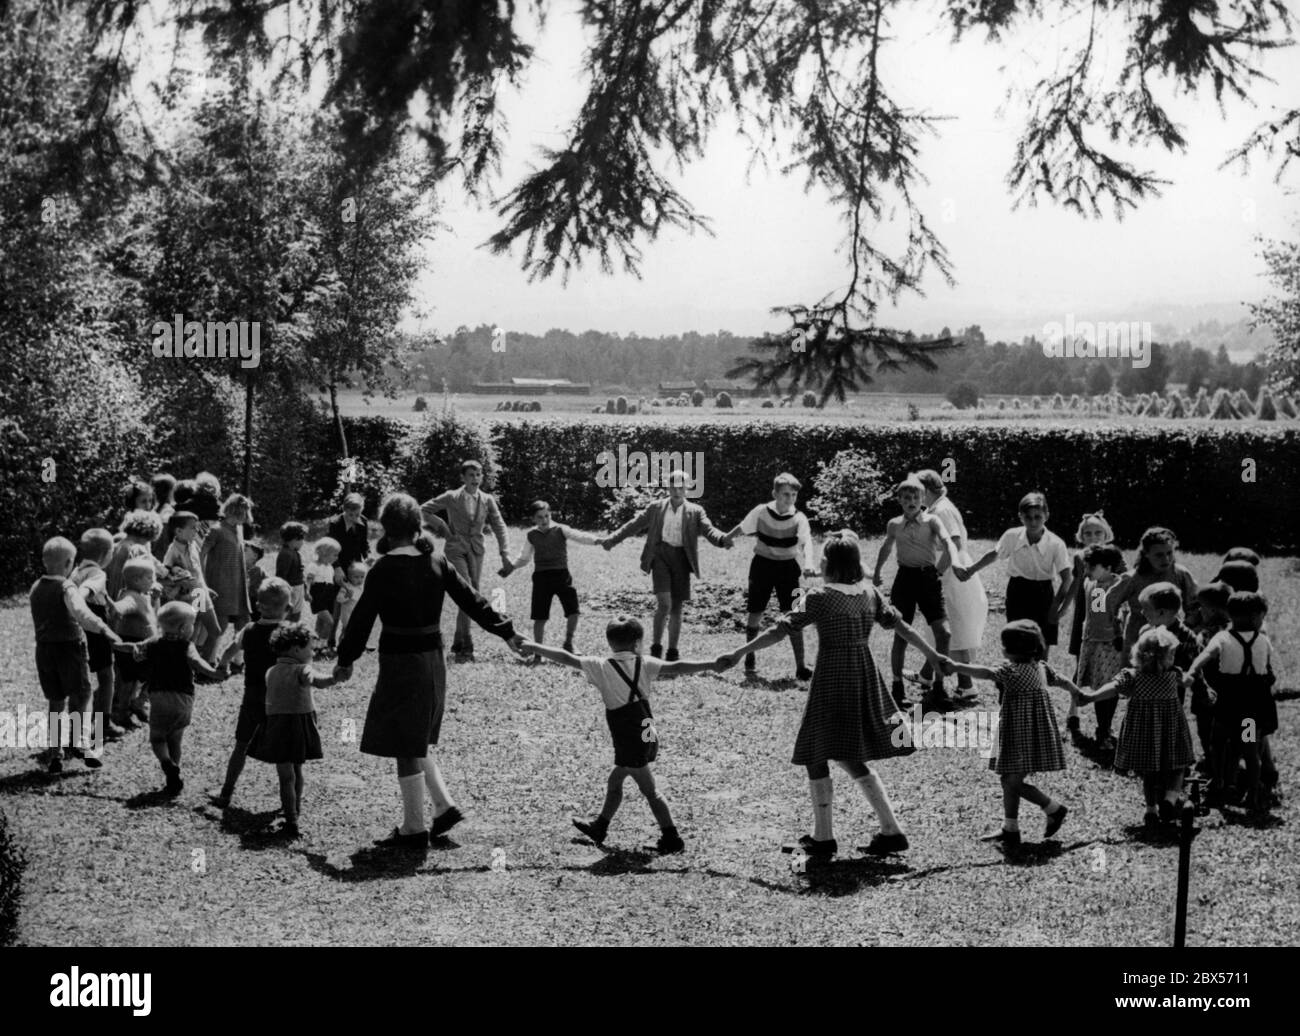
<point>1155,740</point>
<point>1029,740</point>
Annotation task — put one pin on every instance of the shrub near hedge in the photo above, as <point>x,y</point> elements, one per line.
<point>1190,479</point>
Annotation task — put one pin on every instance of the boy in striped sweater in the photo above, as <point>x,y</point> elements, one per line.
<point>782,537</point>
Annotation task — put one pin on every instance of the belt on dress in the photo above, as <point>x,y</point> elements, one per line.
<point>410,631</point>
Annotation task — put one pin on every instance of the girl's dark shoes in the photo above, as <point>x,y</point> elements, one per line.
<point>802,673</point>
<point>1006,839</point>
<point>883,845</point>
<point>669,842</point>
<point>397,840</point>
<point>1151,822</point>
<point>1054,821</point>
<point>814,847</point>
<point>596,828</point>
<point>445,821</point>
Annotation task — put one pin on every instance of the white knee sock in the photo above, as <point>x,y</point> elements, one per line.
<point>412,803</point>
<point>879,799</point>
<point>438,793</point>
<point>822,790</point>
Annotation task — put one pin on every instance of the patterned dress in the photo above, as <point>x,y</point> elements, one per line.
<point>849,715</point>
<point>224,571</point>
<point>1155,737</point>
<point>1029,741</point>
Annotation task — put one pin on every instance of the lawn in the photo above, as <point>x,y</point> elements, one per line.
<point>526,748</point>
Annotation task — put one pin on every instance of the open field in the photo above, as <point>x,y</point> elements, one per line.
<point>526,748</point>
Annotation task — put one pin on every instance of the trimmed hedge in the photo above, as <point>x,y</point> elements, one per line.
<point>1190,479</point>
<point>12,863</point>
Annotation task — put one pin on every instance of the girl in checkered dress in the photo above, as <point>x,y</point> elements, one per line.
<point>1029,740</point>
<point>1154,740</point>
<point>850,717</point>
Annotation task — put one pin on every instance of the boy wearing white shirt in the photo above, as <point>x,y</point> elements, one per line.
<point>783,538</point>
<point>624,684</point>
<point>1035,556</point>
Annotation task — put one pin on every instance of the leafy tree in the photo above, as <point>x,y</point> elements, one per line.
<point>1281,312</point>
<point>1099,380</point>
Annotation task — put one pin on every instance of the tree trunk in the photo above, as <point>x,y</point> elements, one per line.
<point>338,421</point>
<point>248,432</point>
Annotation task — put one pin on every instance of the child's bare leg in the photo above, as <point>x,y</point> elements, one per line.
<point>645,780</point>
<point>54,728</point>
<point>233,769</point>
<point>236,625</point>
<point>103,700</point>
<point>752,622</point>
<point>539,631</point>
<point>942,637</point>
<point>1250,753</point>
<point>796,645</point>
<point>571,627</point>
<point>297,787</point>
<point>288,791</point>
<point>897,653</point>
<point>963,655</point>
<point>162,752</point>
<point>613,792</point>
<point>675,623</point>
<point>663,602</point>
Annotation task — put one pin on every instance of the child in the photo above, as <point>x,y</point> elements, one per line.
<point>1240,579</point>
<point>1243,554</point>
<point>624,681</point>
<point>290,736</point>
<point>222,555</point>
<point>164,485</point>
<point>169,662</point>
<point>1160,606</point>
<point>1156,563</point>
<point>94,549</point>
<point>849,717</point>
<point>1242,576</point>
<point>547,542</point>
<point>1035,556</point>
<point>323,592</point>
<point>1099,649</point>
<point>924,547</point>
<point>254,640</point>
<point>60,614</point>
<point>349,594</point>
<point>140,529</point>
<point>1029,740</point>
<point>184,580</point>
<point>137,621</point>
<point>1155,740</point>
<point>1244,709</point>
<point>782,537</point>
<point>467,509</point>
<point>288,565</point>
<point>253,554</point>
<point>1093,529</point>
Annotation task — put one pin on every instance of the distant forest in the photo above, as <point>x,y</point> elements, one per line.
<point>637,364</point>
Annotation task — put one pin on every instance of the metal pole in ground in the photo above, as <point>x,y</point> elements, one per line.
<point>1187,831</point>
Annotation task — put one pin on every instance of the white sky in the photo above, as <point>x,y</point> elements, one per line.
<point>775,244</point>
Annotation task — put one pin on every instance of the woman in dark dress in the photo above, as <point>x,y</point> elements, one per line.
<point>405,590</point>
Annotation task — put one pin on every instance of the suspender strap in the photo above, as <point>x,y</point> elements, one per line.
<point>1248,661</point>
<point>632,681</point>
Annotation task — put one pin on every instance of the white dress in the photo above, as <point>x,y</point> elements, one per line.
<point>967,603</point>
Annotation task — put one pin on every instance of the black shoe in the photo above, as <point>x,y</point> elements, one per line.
<point>1072,724</point>
<point>236,668</point>
<point>672,655</point>
<point>669,843</point>
<point>596,828</point>
<point>656,651</point>
<point>1151,822</point>
<point>1007,839</point>
<point>289,832</point>
<point>53,761</point>
<point>899,694</point>
<point>883,845</point>
<point>397,840</point>
<point>1054,821</point>
<point>803,673</point>
<point>813,847</point>
<point>444,822</point>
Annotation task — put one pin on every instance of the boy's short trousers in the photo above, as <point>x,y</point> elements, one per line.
<point>169,713</point>
<point>670,572</point>
<point>323,596</point>
<point>768,574</point>
<point>549,584</point>
<point>62,669</point>
<point>918,588</point>
<point>1032,599</point>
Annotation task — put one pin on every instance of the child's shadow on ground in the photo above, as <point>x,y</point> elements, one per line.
<point>623,861</point>
<point>37,780</point>
<point>379,863</point>
<point>151,800</point>
<point>240,821</point>
<point>767,683</point>
<point>840,877</point>
<point>1256,821</point>
<point>1087,747</point>
<point>1035,854</point>
<point>1165,834</point>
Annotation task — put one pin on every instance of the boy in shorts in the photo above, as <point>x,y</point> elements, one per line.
<point>923,547</point>
<point>546,545</point>
<point>672,528</point>
<point>783,537</point>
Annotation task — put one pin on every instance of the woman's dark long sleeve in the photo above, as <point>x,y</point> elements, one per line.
<point>364,613</point>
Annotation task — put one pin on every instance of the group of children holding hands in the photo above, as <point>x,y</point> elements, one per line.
<point>1150,635</point>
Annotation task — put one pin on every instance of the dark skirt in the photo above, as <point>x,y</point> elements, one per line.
<point>1031,599</point>
<point>405,713</point>
<point>291,738</point>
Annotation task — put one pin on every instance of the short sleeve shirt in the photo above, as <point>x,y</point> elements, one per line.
<point>614,690</point>
<point>1041,560</point>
